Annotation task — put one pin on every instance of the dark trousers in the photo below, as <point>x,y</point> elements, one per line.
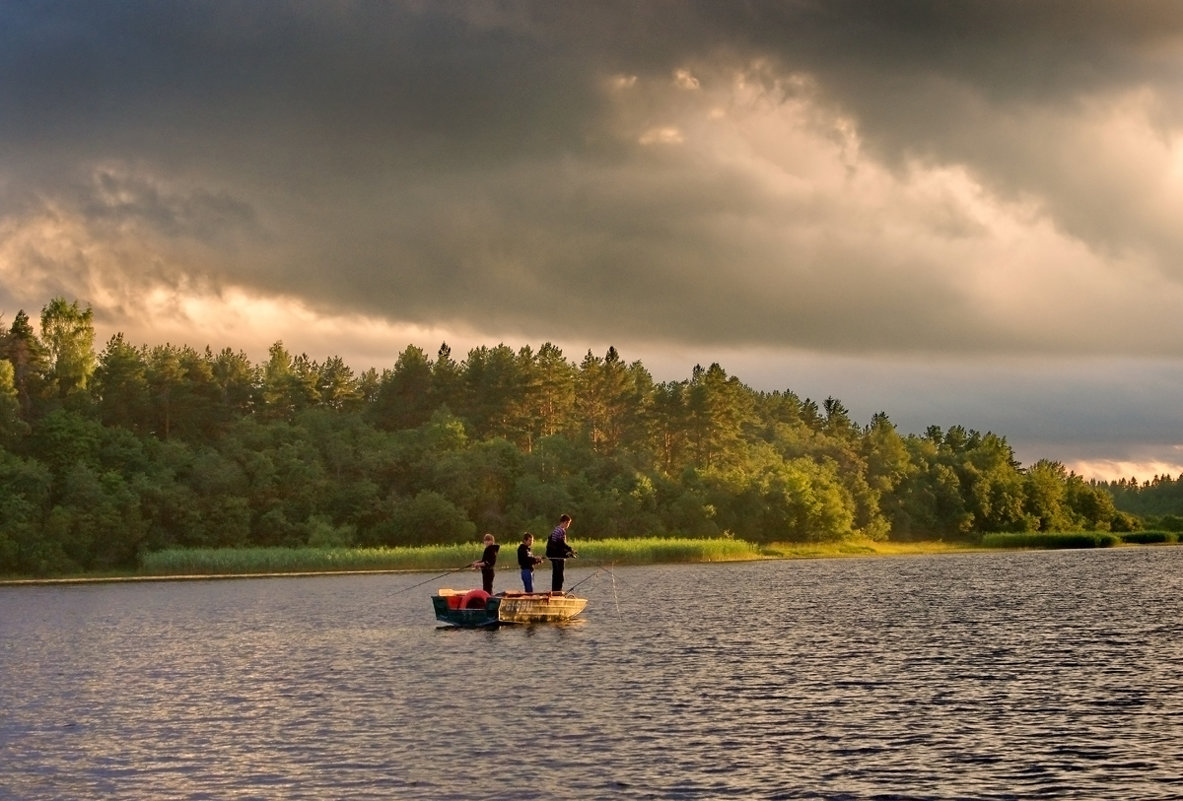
<point>556,574</point>
<point>487,578</point>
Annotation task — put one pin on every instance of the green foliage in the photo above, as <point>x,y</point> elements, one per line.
<point>104,462</point>
<point>22,349</point>
<point>27,487</point>
<point>68,333</point>
<point>1159,497</point>
<point>11,425</point>
<point>64,439</point>
<point>426,518</point>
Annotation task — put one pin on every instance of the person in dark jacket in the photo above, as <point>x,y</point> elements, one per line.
<point>558,551</point>
<point>527,561</point>
<point>487,561</point>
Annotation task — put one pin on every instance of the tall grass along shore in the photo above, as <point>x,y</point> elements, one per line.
<point>210,562</point>
<point>240,561</point>
<point>638,551</point>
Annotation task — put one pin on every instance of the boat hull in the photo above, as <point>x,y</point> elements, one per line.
<point>446,611</point>
<point>539,607</point>
<point>472,609</point>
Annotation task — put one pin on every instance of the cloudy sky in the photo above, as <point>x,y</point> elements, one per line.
<point>958,213</point>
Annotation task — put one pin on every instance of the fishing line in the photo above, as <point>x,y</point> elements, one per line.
<point>611,574</point>
<point>593,574</point>
<point>610,569</point>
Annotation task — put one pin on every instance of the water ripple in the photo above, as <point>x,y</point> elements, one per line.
<point>988,676</point>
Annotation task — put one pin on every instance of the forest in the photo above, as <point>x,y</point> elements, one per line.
<point>108,455</point>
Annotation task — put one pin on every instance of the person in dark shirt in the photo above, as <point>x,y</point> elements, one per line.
<point>487,561</point>
<point>558,551</point>
<point>527,560</point>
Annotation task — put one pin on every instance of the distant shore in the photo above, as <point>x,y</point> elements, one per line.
<point>216,564</point>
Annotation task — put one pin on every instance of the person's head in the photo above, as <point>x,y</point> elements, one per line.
<point>489,539</point>
<point>565,521</point>
<point>528,538</point>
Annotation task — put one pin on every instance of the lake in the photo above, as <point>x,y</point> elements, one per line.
<point>959,676</point>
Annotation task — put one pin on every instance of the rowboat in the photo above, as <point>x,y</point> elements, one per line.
<point>478,609</point>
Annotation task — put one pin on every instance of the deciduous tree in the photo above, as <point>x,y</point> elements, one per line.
<point>68,333</point>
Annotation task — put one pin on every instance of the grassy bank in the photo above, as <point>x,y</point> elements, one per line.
<point>241,561</point>
<point>1052,540</point>
<point>863,547</point>
<point>222,561</point>
<point>639,551</point>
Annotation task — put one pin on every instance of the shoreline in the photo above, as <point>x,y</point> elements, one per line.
<point>850,550</point>
<point>17,582</point>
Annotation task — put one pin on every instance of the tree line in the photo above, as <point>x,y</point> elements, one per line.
<point>105,455</point>
<point>1158,501</point>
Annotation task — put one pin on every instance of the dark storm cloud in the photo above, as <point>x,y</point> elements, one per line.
<point>938,81</point>
<point>958,179</point>
<point>435,151</point>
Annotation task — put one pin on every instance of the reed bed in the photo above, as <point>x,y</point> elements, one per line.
<point>666,550</point>
<point>1046,540</point>
<point>239,561</point>
<point>861,546</point>
<point>639,551</point>
<point>1150,537</point>
<point>249,561</point>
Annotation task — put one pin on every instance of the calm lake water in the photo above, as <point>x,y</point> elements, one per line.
<point>979,676</point>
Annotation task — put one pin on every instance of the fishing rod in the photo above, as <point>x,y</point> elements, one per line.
<point>592,575</point>
<point>467,566</point>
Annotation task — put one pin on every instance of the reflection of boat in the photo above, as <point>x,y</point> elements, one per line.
<point>476,608</point>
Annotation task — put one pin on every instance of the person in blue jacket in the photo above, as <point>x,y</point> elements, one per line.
<point>527,561</point>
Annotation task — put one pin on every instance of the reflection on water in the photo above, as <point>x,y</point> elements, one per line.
<point>985,676</point>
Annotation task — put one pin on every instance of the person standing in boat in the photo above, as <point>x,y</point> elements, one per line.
<point>487,561</point>
<point>527,561</point>
<point>558,551</point>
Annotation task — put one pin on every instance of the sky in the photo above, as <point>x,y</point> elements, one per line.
<point>955,213</point>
